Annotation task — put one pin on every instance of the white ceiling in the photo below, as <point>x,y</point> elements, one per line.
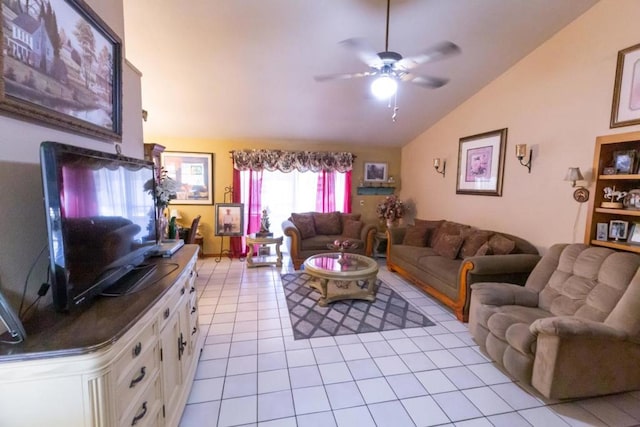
<point>241,69</point>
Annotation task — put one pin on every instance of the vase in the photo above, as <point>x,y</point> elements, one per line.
<point>162,225</point>
<point>392,223</point>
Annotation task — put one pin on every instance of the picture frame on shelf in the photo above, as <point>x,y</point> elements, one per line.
<point>634,234</point>
<point>625,109</point>
<point>618,229</point>
<point>193,173</point>
<point>609,171</point>
<point>376,172</point>
<point>624,161</point>
<point>75,85</point>
<point>229,219</point>
<point>602,231</point>
<point>481,163</point>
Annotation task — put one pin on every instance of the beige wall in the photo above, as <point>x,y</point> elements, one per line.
<point>23,228</point>
<point>224,170</point>
<point>556,100</point>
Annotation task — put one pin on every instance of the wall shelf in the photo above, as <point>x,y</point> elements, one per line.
<point>375,191</point>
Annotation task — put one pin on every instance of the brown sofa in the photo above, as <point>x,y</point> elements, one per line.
<point>310,233</point>
<point>444,258</point>
<point>573,330</point>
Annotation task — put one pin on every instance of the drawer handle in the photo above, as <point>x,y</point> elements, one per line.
<point>137,349</point>
<point>166,313</point>
<point>193,310</point>
<point>194,330</point>
<point>182,291</point>
<point>192,290</point>
<point>181,346</point>
<point>140,415</point>
<point>135,381</point>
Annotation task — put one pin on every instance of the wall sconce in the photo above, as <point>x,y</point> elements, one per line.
<point>581,194</point>
<point>145,115</point>
<point>521,152</point>
<point>437,162</point>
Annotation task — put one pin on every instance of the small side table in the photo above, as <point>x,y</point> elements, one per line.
<point>261,260</point>
<point>380,245</point>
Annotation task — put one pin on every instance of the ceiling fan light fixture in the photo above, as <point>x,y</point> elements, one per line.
<point>384,87</point>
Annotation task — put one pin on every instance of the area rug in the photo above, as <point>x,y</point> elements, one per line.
<point>388,312</point>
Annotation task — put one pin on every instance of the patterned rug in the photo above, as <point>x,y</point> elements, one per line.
<point>309,320</point>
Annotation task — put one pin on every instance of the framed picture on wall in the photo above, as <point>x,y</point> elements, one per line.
<point>193,173</point>
<point>62,66</point>
<point>625,110</point>
<point>229,219</point>
<point>481,163</point>
<point>375,172</point>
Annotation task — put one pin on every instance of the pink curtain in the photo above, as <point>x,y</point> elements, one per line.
<point>347,192</point>
<point>326,192</point>
<point>236,242</point>
<point>254,211</point>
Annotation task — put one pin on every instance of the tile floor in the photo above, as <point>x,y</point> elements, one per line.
<point>252,372</point>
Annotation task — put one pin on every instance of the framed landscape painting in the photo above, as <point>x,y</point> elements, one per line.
<point>61,66</point>
<point>481,163</point>
<point>193,173</point>
<point>375,172</point>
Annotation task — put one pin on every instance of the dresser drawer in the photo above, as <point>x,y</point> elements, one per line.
<point>170,305</point>
<point>147,409</point>
<point>136,377</point>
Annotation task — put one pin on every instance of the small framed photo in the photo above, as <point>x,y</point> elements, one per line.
<point>609,171</point>
<point>375,172</point>
<point>229,219</point>
<point>618,230</point>
<point>602,231</point>
<point>634,233</point>
<point>624,161</point>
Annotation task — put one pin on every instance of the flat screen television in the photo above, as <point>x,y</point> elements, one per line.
<point>100,218</point>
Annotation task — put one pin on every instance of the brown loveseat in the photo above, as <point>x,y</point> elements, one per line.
<point>309,233</point>
<point>443,258</point>
<point>573,330</point>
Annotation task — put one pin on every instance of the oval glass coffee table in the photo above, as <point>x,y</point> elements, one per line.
<point>354,277</point>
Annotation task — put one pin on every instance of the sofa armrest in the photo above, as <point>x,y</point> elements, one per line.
<point>367,235</point>
<point>293,237</point>
<point>504,294</point>
<point>395,235</point>
<point>571,326</point>
<point>501,264</point>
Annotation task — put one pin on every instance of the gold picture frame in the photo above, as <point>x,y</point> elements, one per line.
<point>625,110</point>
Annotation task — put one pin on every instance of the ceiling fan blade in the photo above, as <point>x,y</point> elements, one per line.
<point>343,76</point>
<point>365,52</point>
<point>425,81</point>
<point>434,53</point>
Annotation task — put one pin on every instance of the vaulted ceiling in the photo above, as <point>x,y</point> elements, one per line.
<point>238,69</point>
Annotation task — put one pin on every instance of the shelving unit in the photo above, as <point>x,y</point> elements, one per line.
<point>606,147</point>
<point>375,191</point>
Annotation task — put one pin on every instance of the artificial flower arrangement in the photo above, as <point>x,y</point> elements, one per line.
<point>165,189</point>
<point>391,208</point>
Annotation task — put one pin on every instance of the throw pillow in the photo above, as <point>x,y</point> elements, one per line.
<point>473,242</point>
<point>345,216</point>
<point>448,245</point>
<point>352,229</point>
<point>485,249</point>
<point>328,224</point>
<point>450,228</point>
<point>500,245</point>
<point>304,223</point>
<point>416,236</point>
<point>430,225</point>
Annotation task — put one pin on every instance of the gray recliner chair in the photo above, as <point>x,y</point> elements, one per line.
<point>573,330</point>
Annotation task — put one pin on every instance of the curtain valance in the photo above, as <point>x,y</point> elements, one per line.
<point>287,161</point>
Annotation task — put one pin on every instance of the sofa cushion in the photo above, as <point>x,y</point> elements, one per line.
<point>500,245</point>
<point>352,228</point>
<point>485,249</point>
<point>448,228</point>
<point>416,236</point>
<point>327,223</point>
<point>448,245</point>
<point>473,242</point>
<point>304,223</point>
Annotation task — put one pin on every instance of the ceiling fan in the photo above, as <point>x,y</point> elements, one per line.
<point>391,67</point>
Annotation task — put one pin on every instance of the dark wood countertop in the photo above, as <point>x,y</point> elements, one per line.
<point>101,323</point>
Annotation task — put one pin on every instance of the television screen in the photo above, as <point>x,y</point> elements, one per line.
<point>100,219</point>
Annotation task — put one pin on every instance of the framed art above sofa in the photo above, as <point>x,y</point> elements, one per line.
<point>481,163</point>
